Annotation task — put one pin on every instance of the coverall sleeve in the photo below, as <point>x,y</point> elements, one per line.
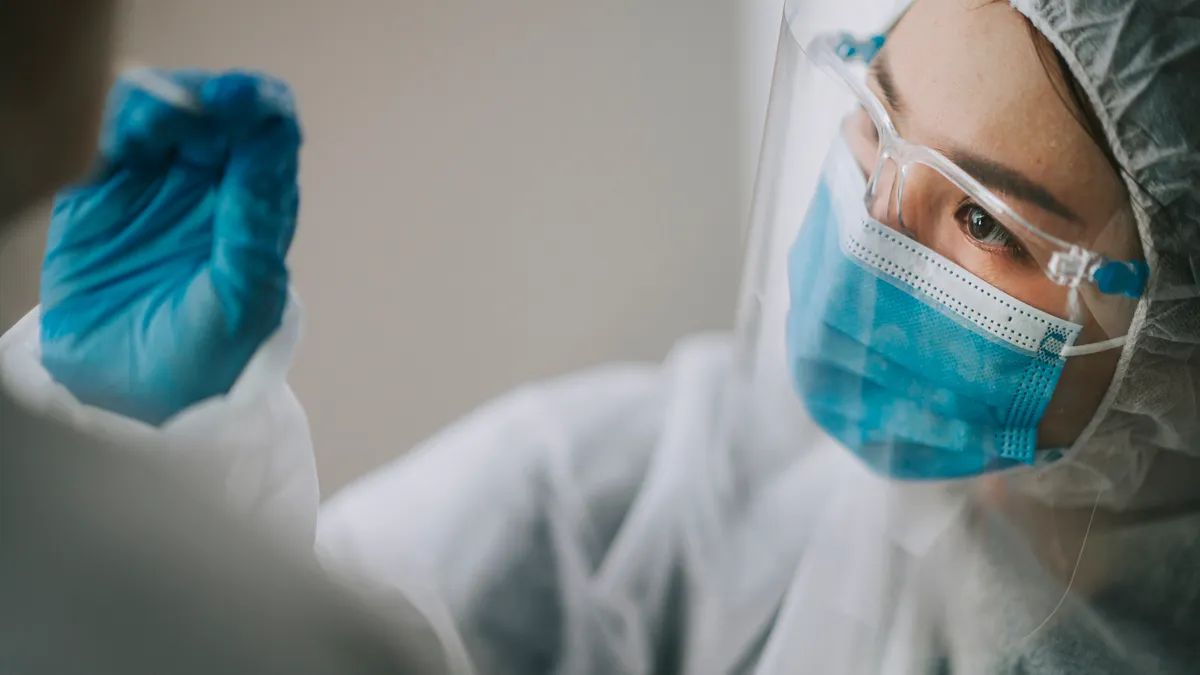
<point>507,518</point>
<point>252,447</point>
<point>112,563</point>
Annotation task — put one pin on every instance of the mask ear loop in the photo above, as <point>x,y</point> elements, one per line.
<point>1093,348</point>
<point>1076,313</point>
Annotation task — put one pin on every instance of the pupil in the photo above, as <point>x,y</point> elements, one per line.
<point>980,224</point>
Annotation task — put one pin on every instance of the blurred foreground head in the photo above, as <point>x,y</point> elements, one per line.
<point>55,67</point>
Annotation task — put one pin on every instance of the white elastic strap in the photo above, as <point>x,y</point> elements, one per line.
<point>1093,348</point>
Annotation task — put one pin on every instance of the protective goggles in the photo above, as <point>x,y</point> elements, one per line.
<point>920,192</point>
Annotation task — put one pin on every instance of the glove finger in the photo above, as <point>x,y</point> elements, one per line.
<point>142,129</point>
<point>236,104</point>
<point>256,217</point>
<point>240,101</point>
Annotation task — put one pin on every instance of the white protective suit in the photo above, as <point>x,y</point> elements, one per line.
<point>115,558</point>
<point>622,520</point>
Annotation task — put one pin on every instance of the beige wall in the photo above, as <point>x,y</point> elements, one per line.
<point>492,192</point>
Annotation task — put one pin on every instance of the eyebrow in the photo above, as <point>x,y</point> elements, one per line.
<point>1009,181</point>
<point>996,176</point>
<point>882,71</point>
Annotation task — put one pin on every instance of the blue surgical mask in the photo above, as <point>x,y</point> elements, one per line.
<point>916,365</point>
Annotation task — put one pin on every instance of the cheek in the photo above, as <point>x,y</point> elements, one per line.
<point>1085,381</point>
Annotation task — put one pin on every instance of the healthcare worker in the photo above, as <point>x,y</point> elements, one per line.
<point>110,562</point>
<point>957,430</point>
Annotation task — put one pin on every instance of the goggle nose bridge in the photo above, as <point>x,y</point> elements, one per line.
<point>891,149</point>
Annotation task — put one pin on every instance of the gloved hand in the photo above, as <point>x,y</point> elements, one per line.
<point>165,273</point>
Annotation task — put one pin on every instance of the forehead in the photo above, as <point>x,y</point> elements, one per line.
<point>973,73</point>
<point>972,77</point>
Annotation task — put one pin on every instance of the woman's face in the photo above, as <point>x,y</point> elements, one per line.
<point>967,80</point>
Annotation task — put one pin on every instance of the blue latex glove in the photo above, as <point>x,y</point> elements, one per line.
<point>166,272</point>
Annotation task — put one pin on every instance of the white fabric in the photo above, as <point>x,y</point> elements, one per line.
<point>606,523</point>
<point>609,523</point>
<point>253,445</point>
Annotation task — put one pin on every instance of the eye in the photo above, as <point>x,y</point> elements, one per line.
<point>981,226</point>
<point>986,232</point>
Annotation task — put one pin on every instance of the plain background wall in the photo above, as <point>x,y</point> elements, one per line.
<point>493,192</point>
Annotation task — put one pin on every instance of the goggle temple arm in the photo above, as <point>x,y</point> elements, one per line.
<point>1112,277</point>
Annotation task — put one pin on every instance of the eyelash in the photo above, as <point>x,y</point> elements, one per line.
<point>1008,244</point>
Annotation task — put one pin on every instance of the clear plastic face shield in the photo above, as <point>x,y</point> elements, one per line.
<point>927,323</point>
<point>944,312</point>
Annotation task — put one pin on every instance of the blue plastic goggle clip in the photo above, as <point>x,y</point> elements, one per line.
<point>850,49</point>
<point>1127,278</point>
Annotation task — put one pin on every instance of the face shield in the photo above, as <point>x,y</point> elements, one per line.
<point>905,325</point>
<point>922,310</point>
